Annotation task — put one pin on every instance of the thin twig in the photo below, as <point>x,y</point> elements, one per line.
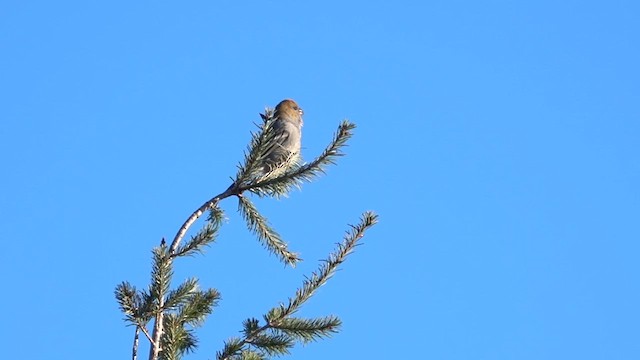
<point>232,190</point>
<point>146,333</point>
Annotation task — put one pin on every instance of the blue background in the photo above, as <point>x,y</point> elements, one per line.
<point>498,141</point>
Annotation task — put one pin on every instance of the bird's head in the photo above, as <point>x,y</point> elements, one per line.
<point>289,110</point>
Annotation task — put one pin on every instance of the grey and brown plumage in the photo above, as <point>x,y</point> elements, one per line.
<point>287,127</point>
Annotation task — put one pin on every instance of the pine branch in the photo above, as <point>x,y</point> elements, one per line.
<point>260,144</point>
<point>199,305</point>
<point>232,347</point>
<point>126,296</point>
<point>249,355</point>
<point>181,294</point>
<point>276,336</point>
<point>307,330</point>
<point>161,274</point>
<point>208,205</point>
<point>192,307</point>
<point>176,339</point>
<point>204,237</point>
<point>326,269</point>
<point>269,238</point>
<point>135,309</point>
<point>136,341</point>
<point>174,311</point>
<point>272,343</point>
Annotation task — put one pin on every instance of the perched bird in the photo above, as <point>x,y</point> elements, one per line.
<point>287,125</point>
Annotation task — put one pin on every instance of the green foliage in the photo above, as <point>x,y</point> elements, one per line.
<point>130,301</point>
<point>161,272</point>
<point>204,237</point>
<point>256,152</point>
<point>179,311</point>
<point>308,330</point>
<point>176,339</point>
<point>198,305</point>
<point>259,225</point>
<point>281,331</point>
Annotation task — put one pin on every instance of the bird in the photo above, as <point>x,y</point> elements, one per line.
<point>287,127</point>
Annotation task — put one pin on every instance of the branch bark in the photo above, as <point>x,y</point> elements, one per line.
<point>158,328</point>
<point>136,338</point>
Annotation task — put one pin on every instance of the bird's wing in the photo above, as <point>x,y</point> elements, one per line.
<point>278,145</point>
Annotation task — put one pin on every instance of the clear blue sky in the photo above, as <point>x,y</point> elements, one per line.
<point>498,141</point>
